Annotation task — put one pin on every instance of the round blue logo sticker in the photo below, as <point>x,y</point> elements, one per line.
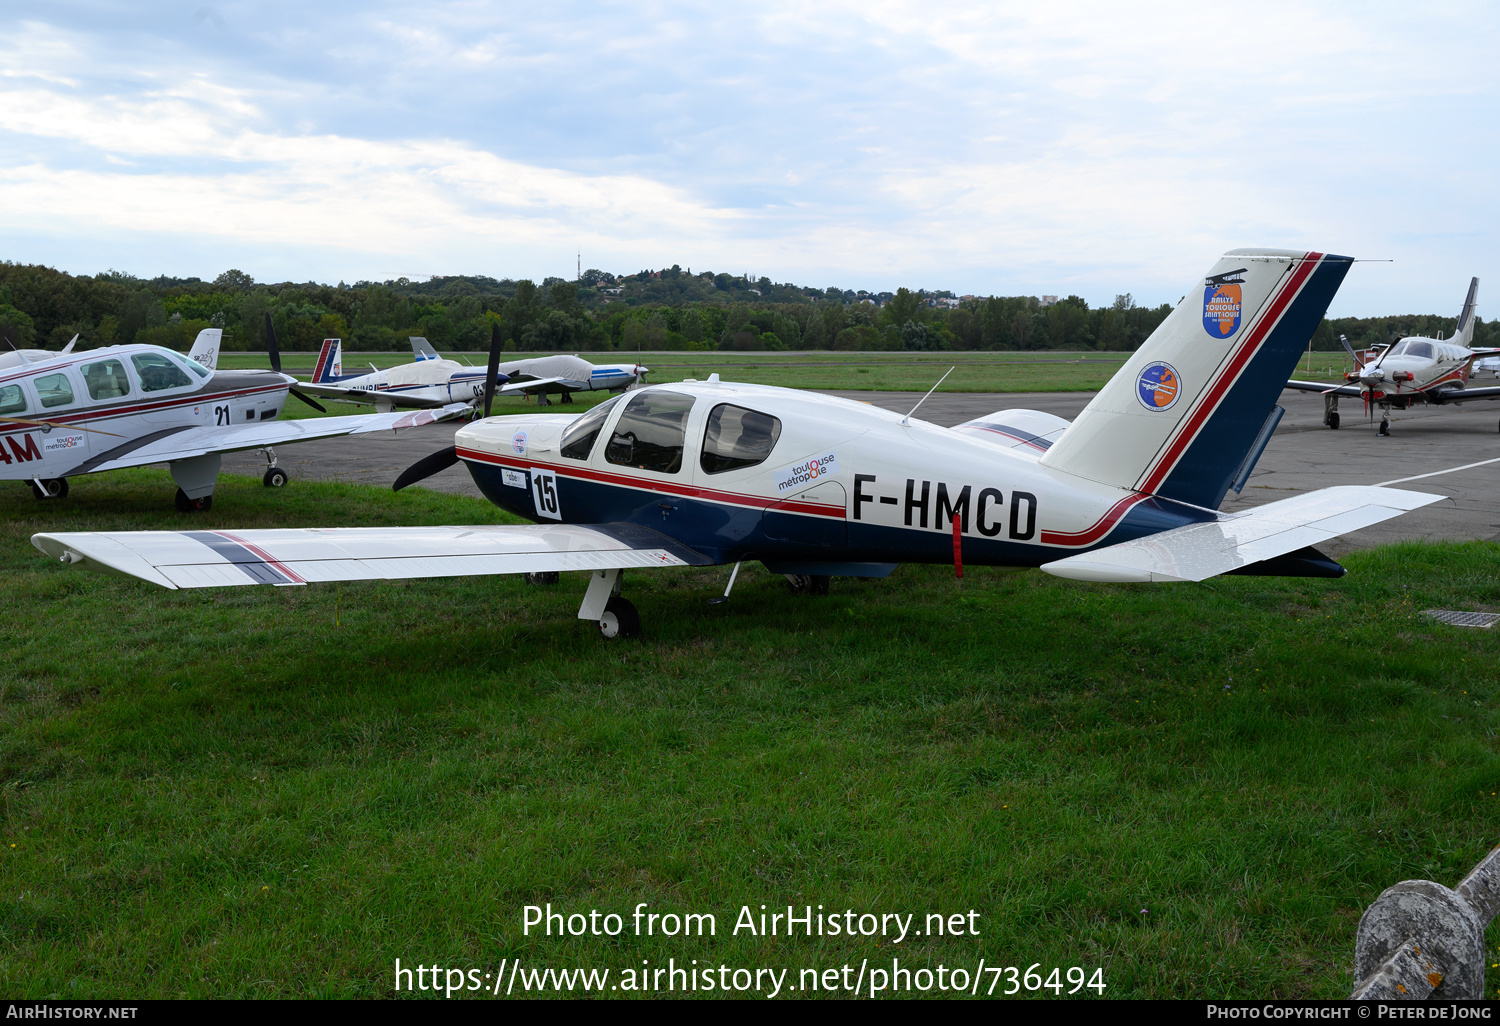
<point>518,443</point>
<point>1158,386</point>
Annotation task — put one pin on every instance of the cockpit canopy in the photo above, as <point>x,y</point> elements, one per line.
<point>1414,347</point>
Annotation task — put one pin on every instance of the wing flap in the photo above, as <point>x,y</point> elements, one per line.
<point>1200,551</point>
<point>213,559</point>
<point>370,397</point>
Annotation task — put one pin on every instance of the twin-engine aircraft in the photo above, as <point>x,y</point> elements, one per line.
<point>712,473</point>
<point>1414,370</point>
<point>65,414</point>
<point>431,381</point>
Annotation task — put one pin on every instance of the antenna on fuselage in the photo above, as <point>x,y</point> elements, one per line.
<point>931,390</point>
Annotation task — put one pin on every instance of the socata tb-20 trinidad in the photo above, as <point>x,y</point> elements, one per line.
<point>711,473</point>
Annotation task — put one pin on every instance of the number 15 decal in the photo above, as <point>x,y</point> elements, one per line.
<point>544,490</point>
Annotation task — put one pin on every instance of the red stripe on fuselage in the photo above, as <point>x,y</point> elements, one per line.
<point>1194,422</point>
<point>1101,527</point>
<point>819,509</point>
<point>195,399</point>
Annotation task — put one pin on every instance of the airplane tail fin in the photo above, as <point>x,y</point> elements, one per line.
<point>206,347</point>
<point>1464,334</point>
<point>421,348</point>
<point>329,367</point>
<point>1186,416</point>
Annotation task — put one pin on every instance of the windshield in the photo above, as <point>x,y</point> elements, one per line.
<point>578,440</point>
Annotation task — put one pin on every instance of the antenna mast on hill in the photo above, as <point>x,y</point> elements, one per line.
<point>580,266</point>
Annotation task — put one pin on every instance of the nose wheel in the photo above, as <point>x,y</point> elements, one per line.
<point>274,477</point>
<point>1385,424</point>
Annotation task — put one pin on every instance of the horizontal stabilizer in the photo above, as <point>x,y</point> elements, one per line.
<point>217,559</point>
<point>1200,551</point>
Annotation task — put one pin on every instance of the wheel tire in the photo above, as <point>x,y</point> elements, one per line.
<point>274,477</point>
<point>545,577</point>
<point>1333,421</point>
<point>808,584</point>
<point>186,505</point>
<point>619,619</point>
<point>56,488</point>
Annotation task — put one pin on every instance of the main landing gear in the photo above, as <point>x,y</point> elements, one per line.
<point>808,584</point>
<point>1331,411</point>
<point>274,476</point>
<point>51,488</point>
<point>200,505</point>
<point>614,614</point>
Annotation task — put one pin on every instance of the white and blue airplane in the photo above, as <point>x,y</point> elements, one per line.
<point>712,473</point>
<point>430,381</point>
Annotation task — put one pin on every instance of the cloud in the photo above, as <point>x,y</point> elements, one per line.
<point>1013,148</point>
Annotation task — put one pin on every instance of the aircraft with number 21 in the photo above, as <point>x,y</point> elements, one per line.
<point>713,473</point>
<point>66,414</point>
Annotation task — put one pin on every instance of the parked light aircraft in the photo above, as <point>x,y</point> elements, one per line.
<point>712,473</point>
<point>1414,370</point>
<point>428,382</point>
<point>65,414</point>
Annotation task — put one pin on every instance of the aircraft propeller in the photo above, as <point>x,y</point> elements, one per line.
<point>275,353</point>
<point>437,462</point>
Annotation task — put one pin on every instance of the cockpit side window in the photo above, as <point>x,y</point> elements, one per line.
<point>158,373</point>
<point>54,390</point>
<point>651,433</point>
<point>1421,349</point>
<point>106,379</point>
<point>737,437</point>
<point>12,399</point>
<point>578,439</point>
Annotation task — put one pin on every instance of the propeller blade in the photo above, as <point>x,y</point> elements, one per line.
<point>493,370</point>
<point>271,346</point>
<point>426,467</point>
<point>1350,350</point>
<point>309,400</point>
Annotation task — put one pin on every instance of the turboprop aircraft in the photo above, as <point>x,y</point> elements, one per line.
<point>712,473</point>
<point>65,414</point>
<point>1415,370</point>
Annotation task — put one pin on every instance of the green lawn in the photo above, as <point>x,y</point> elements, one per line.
<point>265,792</point>
<point>882,372</point>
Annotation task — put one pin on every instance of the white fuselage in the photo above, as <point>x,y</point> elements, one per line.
<point>843,482</point>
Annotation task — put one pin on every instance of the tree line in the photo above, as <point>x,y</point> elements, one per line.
<point>666,309</point>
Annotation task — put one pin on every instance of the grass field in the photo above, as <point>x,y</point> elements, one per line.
<point>882,372</point>
<point>269,792</point>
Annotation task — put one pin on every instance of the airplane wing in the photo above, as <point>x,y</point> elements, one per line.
<point>187,442</point>
<point>211,559</point>
<point>364,395</point>
<point>1200,551</point>
<point>1462,395</point>
<point>535,384</point>
<point>1324,386</point>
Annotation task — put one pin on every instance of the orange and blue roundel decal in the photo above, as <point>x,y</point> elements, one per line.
<point>1158,386</point>
<point>1221,308</point>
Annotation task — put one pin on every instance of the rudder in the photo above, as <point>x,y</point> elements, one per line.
<point>329,366</point>
<point>1179,418</point>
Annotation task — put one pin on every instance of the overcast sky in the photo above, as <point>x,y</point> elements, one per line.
<point>990,148</point>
